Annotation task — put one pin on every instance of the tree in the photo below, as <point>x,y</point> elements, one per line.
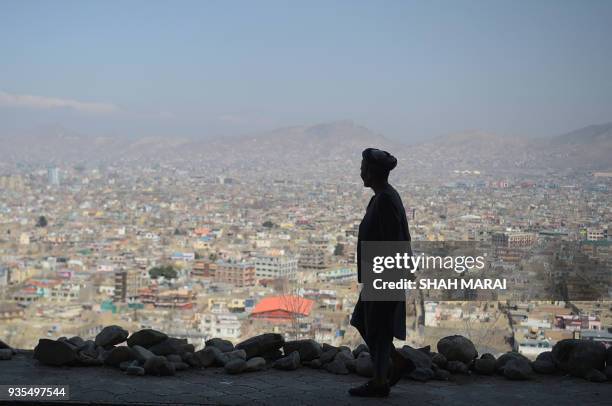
<point>339,250</point>
<point>42,222</point>
<point>268,224</point>
<point>167,271</point>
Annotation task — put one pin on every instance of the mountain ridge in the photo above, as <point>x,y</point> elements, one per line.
<point>585,148</point>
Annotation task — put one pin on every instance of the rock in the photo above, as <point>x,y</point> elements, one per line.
<point>261,344</point>
<point>255,364</point>
<point>288,363</point>
<point>135,370</point>
<point>89,348</point>
<point>158,365</point>
<point>439,359</point>
<point>608,356</point>
<point>326,347</point>
<point>457,367</point>
<point>328,356</point>
<point>545,356</point>
<point>6,354</point>
<point>345,348</point>
<point>142,354</point>
<point>315,363</point>
<point>221,359</point>
<point>171,345</point>
<point>85,360</point>
<point>240,354</point>
<point>364,366</point>
<point>543,367</point>
<point>174,358</point>
<point>415,357</point>
<point>484,366</point>
<point>518,369</point>
<point>235,366</point>
<point>111,335</point>
<point>179,366</point>
<point>487,355</point>
<point>4,346</point>
<point>126,364</point>
<point>457,348</point>
<point>505,358</point>
<point>223,345</point>
<point>344,356</point>
<point>55,352</point>
<point>359,349</point>
<point>442,374</point>
<point>207,356</point>
<point>351,365</point>
<point>579,357</point>
<point>212,356</point>
<point>422,374</point>
<point>426,350</point>
<point>65,341</point>
<point>308,349</point>
<point>146,338</point>
<point>118,355</point>
<point>191,359</point>
<point>76,341</point>
<point>272,355</point>
<point>595,375</point>
<point>337,366</point>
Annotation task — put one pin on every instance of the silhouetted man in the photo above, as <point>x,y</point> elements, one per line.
<point>378,322</point>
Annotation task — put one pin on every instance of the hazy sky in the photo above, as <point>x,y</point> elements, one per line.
<point>406,69</point>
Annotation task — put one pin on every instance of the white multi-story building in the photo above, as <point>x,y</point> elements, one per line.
<point>276,267</point>
<point>597,234</point>
<point>223,325</point>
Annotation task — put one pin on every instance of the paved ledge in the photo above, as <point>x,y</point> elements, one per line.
<point>109,386</point>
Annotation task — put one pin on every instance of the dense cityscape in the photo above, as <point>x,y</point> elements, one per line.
<point>200,252</point>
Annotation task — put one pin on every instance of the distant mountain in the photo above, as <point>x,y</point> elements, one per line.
<point>590,135</point>
<point>55,143</point>
<point>322,150</point>
<point>589,147</point>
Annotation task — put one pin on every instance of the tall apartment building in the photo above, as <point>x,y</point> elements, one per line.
<point>204,269</point>
<point>127,283</point>
<point>53,176</point>
<point>514,239</point>
<point>596,234</point>
<point>312,258</point>
<point>276,267</point>
<point>238,274</point>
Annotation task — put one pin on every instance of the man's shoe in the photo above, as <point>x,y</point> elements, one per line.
<point>369,390</point>
<point>399,366</point>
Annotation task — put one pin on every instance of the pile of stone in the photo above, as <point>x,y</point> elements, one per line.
<point>151,352</point>
<point>6,352</point>
<point>457,355</point>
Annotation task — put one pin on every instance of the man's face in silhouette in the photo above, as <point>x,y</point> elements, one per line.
<point>365,174</point>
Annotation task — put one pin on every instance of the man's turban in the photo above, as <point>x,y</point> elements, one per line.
<point>381,159</point>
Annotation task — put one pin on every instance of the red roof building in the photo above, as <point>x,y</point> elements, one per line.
<point>282,307</point>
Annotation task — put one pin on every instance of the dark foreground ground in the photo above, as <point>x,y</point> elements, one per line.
<point>107,386</point>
